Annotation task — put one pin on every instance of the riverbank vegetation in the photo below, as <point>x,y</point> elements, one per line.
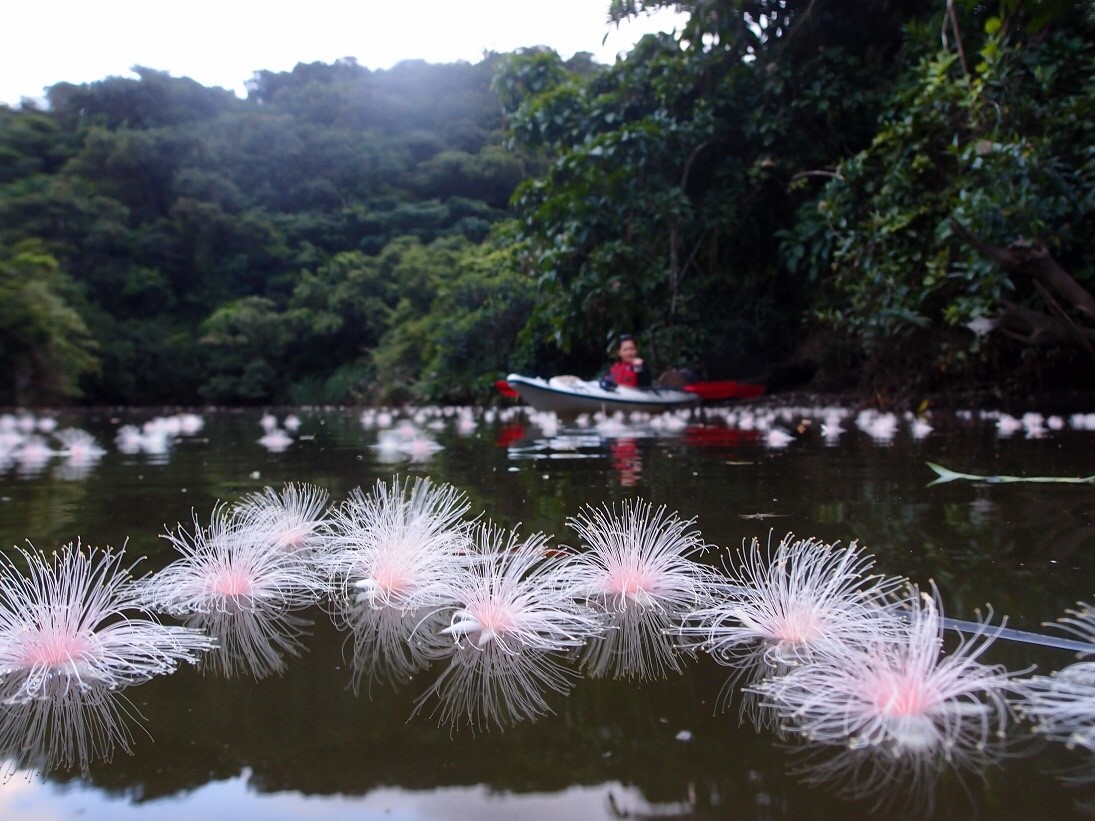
<point>893,197</point>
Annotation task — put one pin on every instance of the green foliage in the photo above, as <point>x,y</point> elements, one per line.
<point>246,341</point>
<point>415,322</point>
<point>490,176</point>
<point>669,175</point>
<point>779,178</point>
<point>154,100</point>
<point>475,324</point>
<point>150,361</point>
<point>30,143</point>
<point>1005,150</point>
<point>453,327</point>
<point>45,346</point>
<point>527,73</point>
<point>201,230</point>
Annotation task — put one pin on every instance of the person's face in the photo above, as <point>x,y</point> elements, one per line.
<point>628,350</point>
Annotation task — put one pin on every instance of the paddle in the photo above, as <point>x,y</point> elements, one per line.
<point>716,391</point>
<point>506,389</point>
<point>708,391</point>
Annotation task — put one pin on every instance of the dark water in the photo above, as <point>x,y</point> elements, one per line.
<point>304,743</point>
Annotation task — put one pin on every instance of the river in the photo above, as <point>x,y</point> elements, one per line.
<point>304,741</point>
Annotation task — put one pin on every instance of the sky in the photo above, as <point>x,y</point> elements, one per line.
<point>222,42</point>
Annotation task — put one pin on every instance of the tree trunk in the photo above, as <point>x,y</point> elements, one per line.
<point>1034,260</point>
<point>1052,283</point>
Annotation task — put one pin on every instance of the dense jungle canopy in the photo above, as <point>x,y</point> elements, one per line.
<point>888,196</point>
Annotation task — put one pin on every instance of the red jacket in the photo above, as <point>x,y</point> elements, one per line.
<point>629,376</point>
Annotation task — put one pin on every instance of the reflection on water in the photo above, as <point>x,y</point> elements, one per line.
<point>627,460</point>
<point>66,728</point>
<point>609,747</point>
<point>237,797</point>
<point>909,784</point>
<point>250,641</point>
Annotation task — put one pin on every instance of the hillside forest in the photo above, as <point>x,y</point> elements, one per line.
<point>889,197</point>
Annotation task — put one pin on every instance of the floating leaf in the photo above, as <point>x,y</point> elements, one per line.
<point>948,475</point>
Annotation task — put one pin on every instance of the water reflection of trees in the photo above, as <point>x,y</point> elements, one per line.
<point>1019,548</point>
<point>1024,548</point>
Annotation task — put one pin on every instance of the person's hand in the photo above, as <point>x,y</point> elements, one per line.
<point>637,363</point>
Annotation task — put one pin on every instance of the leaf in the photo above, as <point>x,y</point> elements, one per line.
<point>948,475</point>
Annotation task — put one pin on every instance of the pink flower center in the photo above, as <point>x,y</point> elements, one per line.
<point>390,578</point>
<point>799,625</point>
<point>232,582</point>
<point>629,581</point>
<point>902,695</point>
<point>292,537</point>
<point>55,650</point>
<point>493,618</point>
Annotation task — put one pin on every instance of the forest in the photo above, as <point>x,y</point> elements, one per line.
<point>892,198</point>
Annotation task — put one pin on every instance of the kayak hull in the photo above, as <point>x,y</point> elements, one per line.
<point>570,395</point>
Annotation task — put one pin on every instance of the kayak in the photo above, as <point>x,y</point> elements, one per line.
<point>569,394</point>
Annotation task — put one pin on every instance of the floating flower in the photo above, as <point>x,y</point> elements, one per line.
<point>391,556</point>
<point>398,546</point>
<point>129,439</point>
<point>80,447</point>
<point>779,607</point>
<point>880,426</point>
<point>292,519</point>
<point>515,614</point>
<point>903,694</point>
<point>405,441</point>
<point>33,453</point>
<point>639,573</point>
<point>777,438</point>
<point>81,453</point>
<point>275,440</point>
<point>1062,706</point>
<point>75,621</point>
<point>190,424</point>
<point>804,596</point>
<point>230,565</point>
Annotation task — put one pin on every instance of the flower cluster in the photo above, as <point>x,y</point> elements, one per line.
<point>826,649</point>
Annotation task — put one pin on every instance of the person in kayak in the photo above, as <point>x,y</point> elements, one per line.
<point>630,370</point>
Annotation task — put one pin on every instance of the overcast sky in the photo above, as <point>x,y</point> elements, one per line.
<point>222,42</point>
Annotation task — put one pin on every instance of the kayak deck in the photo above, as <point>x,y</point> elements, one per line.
<point>569,394</point>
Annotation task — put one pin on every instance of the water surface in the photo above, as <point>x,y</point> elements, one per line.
<point>304,743</point>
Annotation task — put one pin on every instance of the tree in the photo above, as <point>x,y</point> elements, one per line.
<point>154,100</point>
<point>907,241</point>
<point>668,176</point>
<point>470,336</point>
<point>30,143</point>
<point>245,341</point>
<point>456,312</point>
<point>45,347</point>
